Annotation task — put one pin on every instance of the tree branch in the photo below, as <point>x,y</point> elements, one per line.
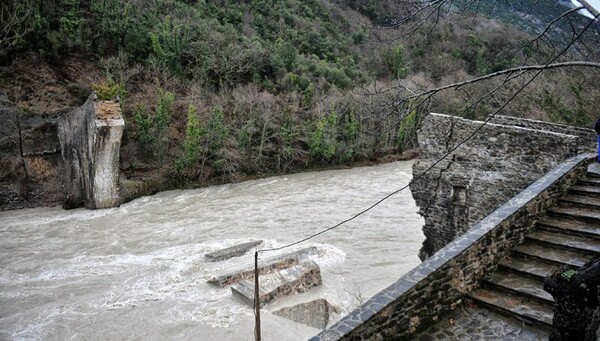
<point>519,69</point>
<point>589,7</point>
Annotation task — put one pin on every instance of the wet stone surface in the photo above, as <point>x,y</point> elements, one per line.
<point>298,278</point>
<point>230,252</point>
<point>471,323</point>
<point>269,266</point>
<point>314,313</point>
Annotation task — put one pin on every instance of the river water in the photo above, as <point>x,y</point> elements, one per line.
<point>138,272</point>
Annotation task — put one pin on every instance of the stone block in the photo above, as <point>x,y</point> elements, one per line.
<point>286,282</point>
<point>248,273</point>
<point>271,265</point>
<point>314,313</point>
<point>230,252</point>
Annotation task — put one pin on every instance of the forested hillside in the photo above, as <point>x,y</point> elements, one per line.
<point>218,90</point>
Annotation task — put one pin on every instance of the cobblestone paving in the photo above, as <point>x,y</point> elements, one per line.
<point>470,323</point>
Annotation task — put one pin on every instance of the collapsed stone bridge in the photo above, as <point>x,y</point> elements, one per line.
<point>507,185</point>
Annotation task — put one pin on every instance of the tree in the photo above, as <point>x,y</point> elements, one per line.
<point>498,78</point>
<point>17,19</point>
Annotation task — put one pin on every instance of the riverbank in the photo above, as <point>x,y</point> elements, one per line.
<point>46,191</point>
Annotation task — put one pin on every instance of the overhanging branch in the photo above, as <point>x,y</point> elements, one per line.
<point>520,69</point>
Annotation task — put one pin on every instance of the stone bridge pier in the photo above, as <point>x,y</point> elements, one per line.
<point>90,138</point>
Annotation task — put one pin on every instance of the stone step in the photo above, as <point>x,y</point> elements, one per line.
<point>582,214</point>
<point>576,243</point>
<point>552,255</point>
<point>589,181</point>
<point>569,226</point>
<point>580,201</point>
<point>593,170</point>
<point>528,267</point>
<point>585,190</point>
<point>231,252</point>
<point>526,310</point>
<point>265,267</point>
<point>520,285</point>
<point>298,278</point>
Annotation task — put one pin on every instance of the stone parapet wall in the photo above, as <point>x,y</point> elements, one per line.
<point>482,174</point>
<point>438,284</point>
<point>587,137</point>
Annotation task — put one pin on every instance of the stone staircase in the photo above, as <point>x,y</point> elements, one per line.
<point>568,235</point>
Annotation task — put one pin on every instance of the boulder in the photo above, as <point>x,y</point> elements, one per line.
<point>30,157</point>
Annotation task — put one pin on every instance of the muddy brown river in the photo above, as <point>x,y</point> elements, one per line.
<point>138,272</point>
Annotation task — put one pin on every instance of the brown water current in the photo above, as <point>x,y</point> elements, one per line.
<point>138,272</point>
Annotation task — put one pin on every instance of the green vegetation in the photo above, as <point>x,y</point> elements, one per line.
<point>192,145</point>
<point>109,90</point>
<point>153,125</point>
<point>212,90</point>
<point>569,274</point>
<point>394,59</point>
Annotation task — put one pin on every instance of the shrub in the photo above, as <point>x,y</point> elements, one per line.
<point>169,41</point>
<point>109,90</point>
<point>192,145</point>
<point>407,127</point>
<point>152,126</point>
<point>394,60</point>
<point>323,141</point>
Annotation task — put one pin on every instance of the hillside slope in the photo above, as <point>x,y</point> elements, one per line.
<point>244,89</point>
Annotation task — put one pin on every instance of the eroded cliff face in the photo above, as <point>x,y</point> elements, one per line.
<point>30,159</point>
<point>486,171</point>
<point>90,138</point>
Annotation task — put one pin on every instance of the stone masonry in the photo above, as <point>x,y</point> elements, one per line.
<point>483,173</point>
<point>587,137</point>
<point>285,282</point>
<point>230,252</point>
<point>439,284</point>
<point>314,313</point>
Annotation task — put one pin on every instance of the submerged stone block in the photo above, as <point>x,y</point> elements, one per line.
<point>271,265</point>
<point>314,313</point>
<point>298,278</point>
<point>236,276</point>
<point>230,252</point>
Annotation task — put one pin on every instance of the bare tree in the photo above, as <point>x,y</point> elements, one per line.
<point>569,41</point>
<point>16,21</point>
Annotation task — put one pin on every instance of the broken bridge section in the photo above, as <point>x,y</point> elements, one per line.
<point>279,277</point>
<point>90,138</point>
<point>501,159</point>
